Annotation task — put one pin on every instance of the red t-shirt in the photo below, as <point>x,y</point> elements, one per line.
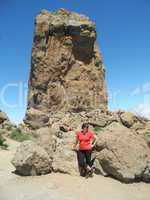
<point>84,140</point>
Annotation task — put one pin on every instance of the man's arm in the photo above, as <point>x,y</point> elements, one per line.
<point>75,145</point>
<point>94,140</point>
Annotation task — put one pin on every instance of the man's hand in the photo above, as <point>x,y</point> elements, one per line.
<point>92,146</point>
<point>94,142</point>
<point>75,148</point>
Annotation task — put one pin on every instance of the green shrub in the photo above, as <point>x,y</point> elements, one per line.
<point>92,27</point>
<point>40,35</point>
<point>68,42</point>
<point>98,62</point>
<point>147,134</point>
<point>97,129</point>
<point>19,135</point>
<point>147,137</point>
<point>3,144</point>
<point>43,45</point>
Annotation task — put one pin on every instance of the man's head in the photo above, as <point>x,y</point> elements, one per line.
<point>85,127</point>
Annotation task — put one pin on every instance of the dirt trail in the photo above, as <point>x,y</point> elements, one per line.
<point>63,187</point>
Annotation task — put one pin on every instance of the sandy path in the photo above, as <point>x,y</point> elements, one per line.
<point>63,187</point>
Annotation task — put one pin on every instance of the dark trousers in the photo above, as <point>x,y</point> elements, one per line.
<point>84,158</point>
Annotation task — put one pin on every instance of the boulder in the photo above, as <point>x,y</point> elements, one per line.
<point>114,126</point>
<point>6,126</point>
<point>147,137</point>
<point>97,118</point>
<point>3,117</point>
<point>123,154</point>
<point>45,137</point>
<point>98,168</point>
<point>146,174</point>
<point>58,144</point>
<point>69,122</point>
<point>128,119</point>
<point>65,159</point>
<point>36,119</point>
<point>31,159</point>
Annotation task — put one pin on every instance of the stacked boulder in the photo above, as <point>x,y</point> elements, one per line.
<point>121,152</point>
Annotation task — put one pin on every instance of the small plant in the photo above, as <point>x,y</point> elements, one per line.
<point>3,144</point>
<point>68,42</point>
<point>97,129</point>
<point>147,137</point>
<point>92,27</point>
<point>147,134</point>
<point>55,13</point>
<point>43,45</point>
<point>19,135</point>
<point>40,35</point>
<point>98,62</point>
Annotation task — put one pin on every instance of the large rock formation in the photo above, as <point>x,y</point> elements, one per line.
<point>66,89</point>
<point>67,72</point>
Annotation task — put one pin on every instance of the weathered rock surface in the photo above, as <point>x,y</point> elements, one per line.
<point>129,120</point>
<point>45,138</point>
<point>3,117</point>
<point>65,159</point>
<point>123,154</point>
<point>30,159</point>
<point>58,144</point>
<point>5,124</point>
<point>36,119</point>
<point>67,72</point>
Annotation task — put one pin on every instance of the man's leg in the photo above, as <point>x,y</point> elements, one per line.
<point>81,162</point>
<point>88,157</point>
<point>89,163</point>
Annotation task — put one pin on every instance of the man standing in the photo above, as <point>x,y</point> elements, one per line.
<point>85,141</point>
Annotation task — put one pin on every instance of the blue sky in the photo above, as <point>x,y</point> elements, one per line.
<point>123,29</point>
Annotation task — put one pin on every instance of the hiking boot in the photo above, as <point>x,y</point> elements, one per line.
<point>89,173</point>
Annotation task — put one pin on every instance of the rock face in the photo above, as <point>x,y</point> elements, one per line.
<point>67,72</point>
<point>123,154</point>
<point>31,159</point>
<point>36,119</point>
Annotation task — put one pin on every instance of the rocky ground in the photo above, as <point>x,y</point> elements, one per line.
<point>61,186</point>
